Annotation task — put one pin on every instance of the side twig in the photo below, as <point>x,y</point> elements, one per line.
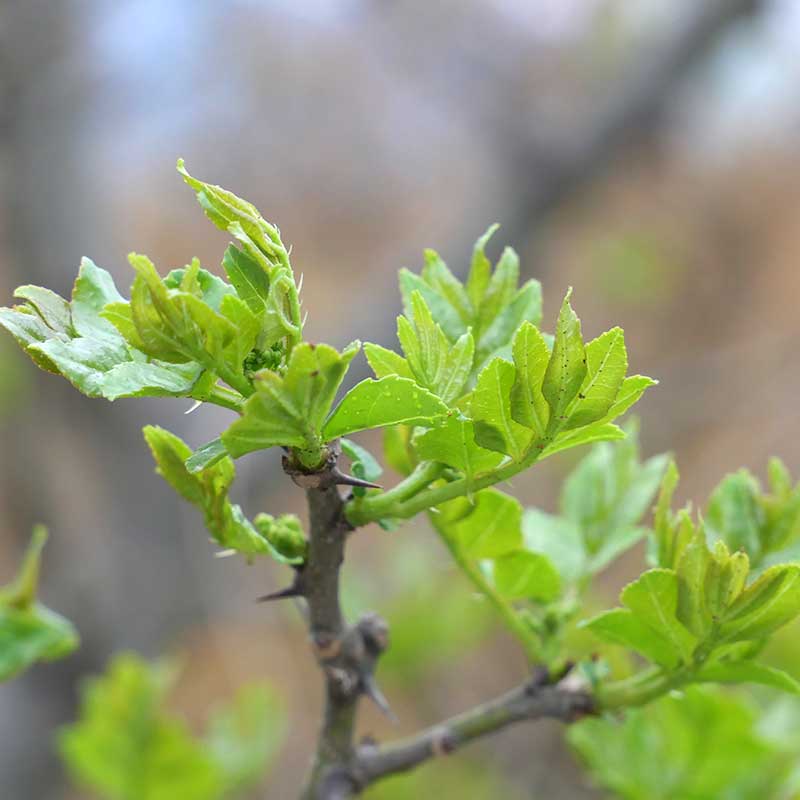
<point>534,700</point>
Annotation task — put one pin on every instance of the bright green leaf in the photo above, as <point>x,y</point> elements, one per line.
<point>522,574</point>
<point>389,401</point>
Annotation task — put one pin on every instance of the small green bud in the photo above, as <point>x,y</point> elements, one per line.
<point>285,534</point>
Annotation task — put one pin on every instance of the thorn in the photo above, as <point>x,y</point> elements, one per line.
<point>300,283</point>
<point>295,590</point>
<point>374,693</point>
<point>350,480</point>
<point>196,404</point>
<point>305,319</point>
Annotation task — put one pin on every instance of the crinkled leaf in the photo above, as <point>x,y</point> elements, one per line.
<point>691,570</point>
<point>389,401</point>
<point>85,348</point>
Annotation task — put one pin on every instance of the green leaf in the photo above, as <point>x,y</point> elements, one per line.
<point>698,745</point>
<point>610,491</point>
<point>622,627</point>
<point>524,306</point>
<point>178,325</point>
<point>653,598</point>
<point>566,369</point>
<point>531,356</point>
<point>493,528</point>
<point>289,410</point>
<point>453,443</point>
<point>663,519</point>
<point>691,570</point>
<point>764,606</point>
<point>630,392</point>
<point>522,574</point>
<point>124,745</point>
<point>606,365</point>
<point>85,348</point>
<point>386,362</point>
<point>248,278</point>
<point>725,578</point>
<point>734,514</point>
<point>480,269</point>
<point>226,210</point>
<point>245,736</point>
<point>490,410</point>
<point>437,365</point>
<point>30,632</point>
<point>599,432</point>
<point>208,491</point>
<point>206,455</point>
<point>389,401</point>
<point>557,538</point>
<point>747,672</point>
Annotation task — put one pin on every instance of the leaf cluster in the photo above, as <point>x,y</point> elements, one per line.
<point>701,614</point>
<point>126,745</point>
<point>29,631</point>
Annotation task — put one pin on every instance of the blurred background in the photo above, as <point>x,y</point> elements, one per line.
<point>646,153</point>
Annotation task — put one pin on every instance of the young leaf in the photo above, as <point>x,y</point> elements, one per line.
<point>567,366</point>
<point>764,606</point>
<point>531,356</point>
<point>453,443</point>
<point>622,627</point>
<point>386,362</point>
<point>691,570</point>
<point>490,410</point>
<point>389,401</point>
<point>653,598</point>
<point>208,491</point>
<point>289,410</point>
<point>125,745</point>
<point>85,348</point>
<point>362,464</point>
<point>734,514</point>
<point>206,455</point>
<point>557,538</point>
<point>522,574</point>
<point>606,365</point>
<point>30,632</point>
<point>599,432</point>
<point>747,672</point>
<point>493,528</point>
<point>244,737</point>
<point>437,365</point>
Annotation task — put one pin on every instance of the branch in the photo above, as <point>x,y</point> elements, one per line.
<point>534,700</point>
<point>347,654</point>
